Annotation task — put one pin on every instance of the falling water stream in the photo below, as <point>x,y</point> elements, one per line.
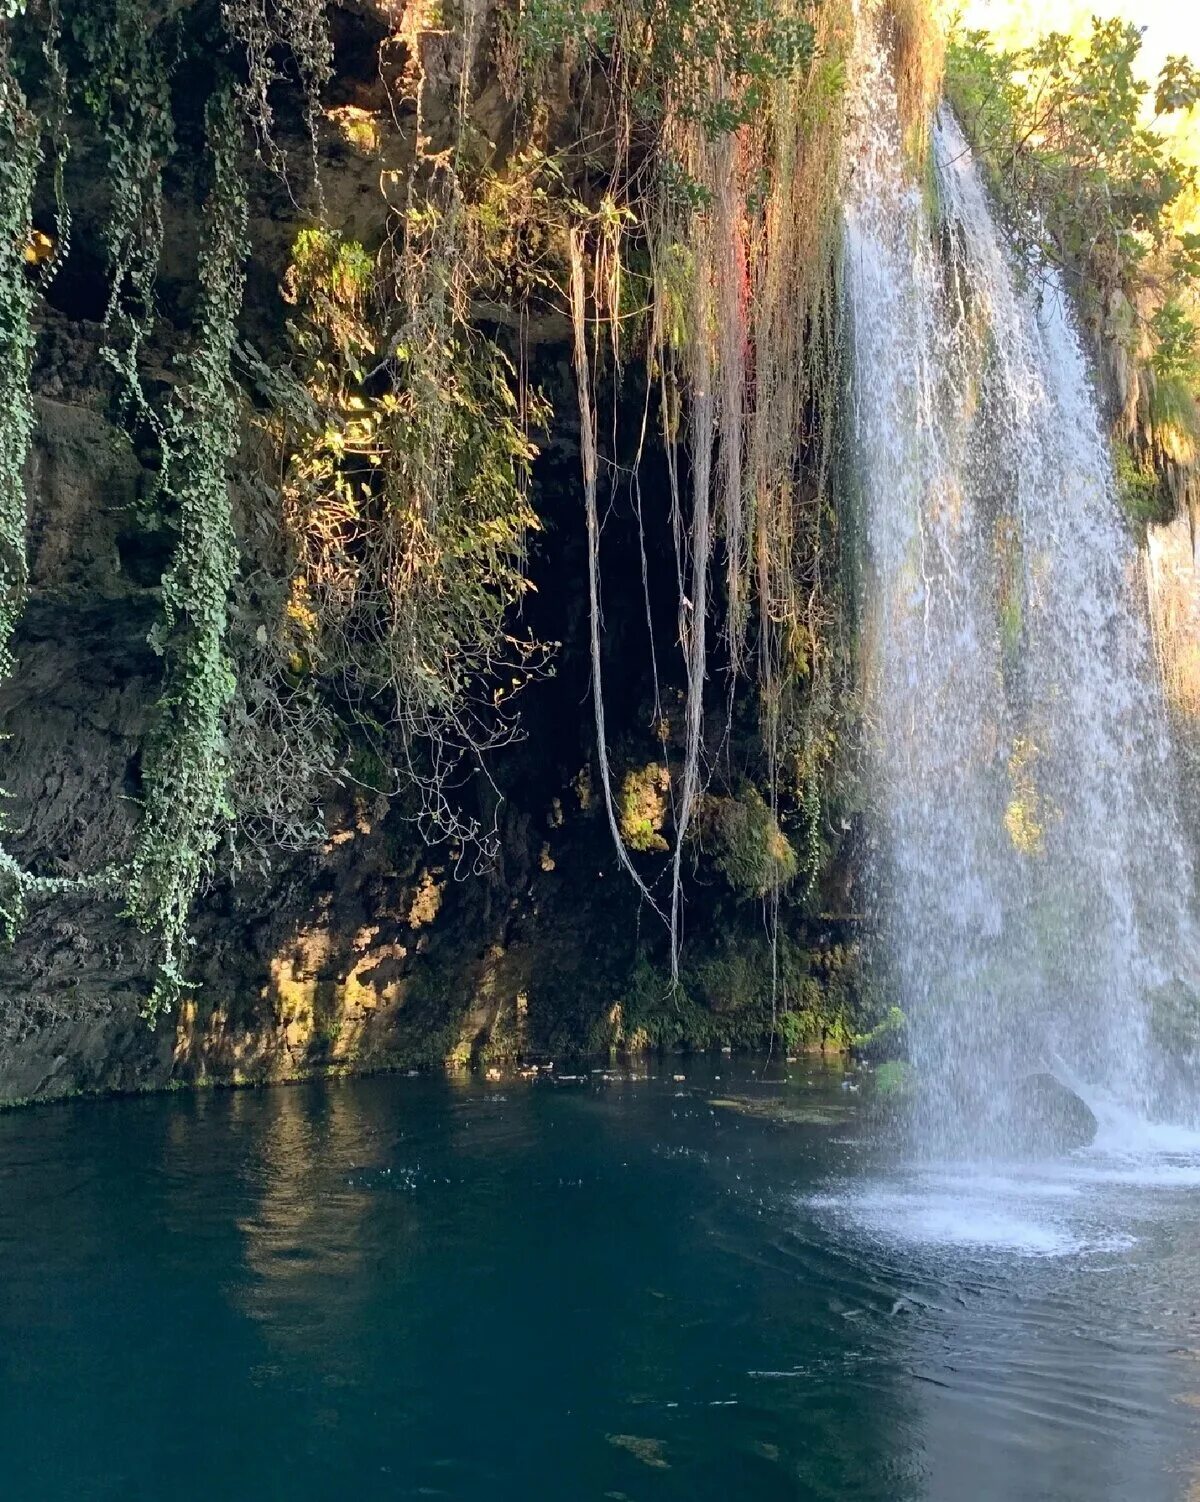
<point>1031,871</point>
<point>1030,876</point>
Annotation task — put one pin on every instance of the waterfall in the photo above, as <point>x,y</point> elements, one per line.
<point>1029,873</point>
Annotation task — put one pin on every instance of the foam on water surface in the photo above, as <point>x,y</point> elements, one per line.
<point>1092,1201</point>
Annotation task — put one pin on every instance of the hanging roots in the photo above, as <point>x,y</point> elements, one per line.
<point>740,228</point>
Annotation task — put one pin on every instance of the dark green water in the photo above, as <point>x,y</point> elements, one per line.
<point>405,1288</point>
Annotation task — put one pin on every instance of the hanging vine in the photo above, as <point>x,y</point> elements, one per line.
<point>125,83</point>
<point>124,71</point>
<point>20,156</point>
<point>266,31</point>
<point>187,765</point>
<point>408,511</point>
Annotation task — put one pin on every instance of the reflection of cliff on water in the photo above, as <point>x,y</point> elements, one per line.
<point>304,1150</point>
<point>348,1187</point>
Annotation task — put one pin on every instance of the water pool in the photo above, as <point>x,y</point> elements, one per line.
<point>624,1285</point>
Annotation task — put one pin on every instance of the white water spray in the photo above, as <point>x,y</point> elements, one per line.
<point>1030,874</point>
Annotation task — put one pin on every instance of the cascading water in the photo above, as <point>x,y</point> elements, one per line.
<point>1030,874</point>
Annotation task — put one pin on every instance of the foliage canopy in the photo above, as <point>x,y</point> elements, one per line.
<point>1070,135</point>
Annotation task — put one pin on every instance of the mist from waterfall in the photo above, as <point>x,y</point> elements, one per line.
<point>1030,878</point>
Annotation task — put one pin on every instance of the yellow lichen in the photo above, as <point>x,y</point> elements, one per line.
<point>643,807</point>
<point>357,127</point>
<point>39,249</point>
<point>426,902</point>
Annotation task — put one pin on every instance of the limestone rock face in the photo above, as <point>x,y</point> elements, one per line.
<point>368,950</point>
<point>365,948</point>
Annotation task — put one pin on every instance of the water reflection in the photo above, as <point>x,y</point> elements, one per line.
<point>303,1246</point>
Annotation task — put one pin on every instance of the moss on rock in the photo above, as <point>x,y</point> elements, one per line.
<point>748,846</point>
